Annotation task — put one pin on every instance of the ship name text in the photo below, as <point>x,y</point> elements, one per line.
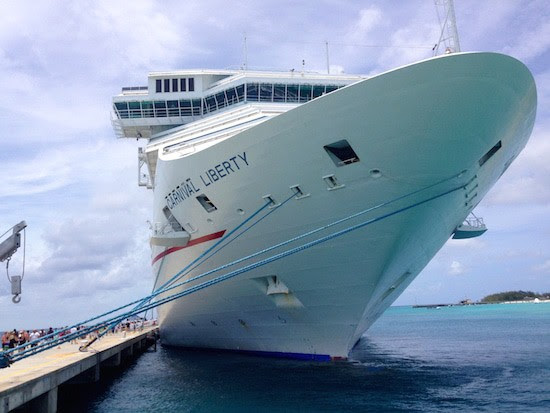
<point>210,176</point>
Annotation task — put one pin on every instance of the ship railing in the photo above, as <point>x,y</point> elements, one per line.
<point>117,127</point>
<point>250,92</point>
<point>474,221</point>
<point>161,228</point>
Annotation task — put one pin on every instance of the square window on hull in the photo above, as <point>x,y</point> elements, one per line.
<point>341,153</point>
<point>206,203</point>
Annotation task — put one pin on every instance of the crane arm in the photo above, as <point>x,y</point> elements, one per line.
<point>13,242</point>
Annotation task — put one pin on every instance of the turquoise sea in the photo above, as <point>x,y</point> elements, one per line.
<point>493,358</point>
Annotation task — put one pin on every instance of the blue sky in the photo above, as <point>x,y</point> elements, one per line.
<point>76,185</point>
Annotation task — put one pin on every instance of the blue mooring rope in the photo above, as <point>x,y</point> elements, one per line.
<point>5,359</point>
<point>45,345</point>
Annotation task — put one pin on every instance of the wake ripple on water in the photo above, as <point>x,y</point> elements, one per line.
<point>411,361</point>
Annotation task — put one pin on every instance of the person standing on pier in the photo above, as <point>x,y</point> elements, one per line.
<point>12,337</point>
<point>5,341</point>
<point>34,336</point>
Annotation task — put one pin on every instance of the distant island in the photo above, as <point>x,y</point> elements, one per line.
<point>520,295</point>
<point>505,297</point>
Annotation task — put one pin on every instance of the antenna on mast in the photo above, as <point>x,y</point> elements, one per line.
<point>447,21</point>
<point>326,50</point>
<point>245,52</point>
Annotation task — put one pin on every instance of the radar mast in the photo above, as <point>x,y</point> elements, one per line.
<point>447,22</point>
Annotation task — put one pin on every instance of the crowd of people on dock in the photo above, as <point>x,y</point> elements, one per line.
<point>15,338</point>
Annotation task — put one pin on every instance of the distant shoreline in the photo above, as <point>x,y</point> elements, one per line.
<point>535,301</point>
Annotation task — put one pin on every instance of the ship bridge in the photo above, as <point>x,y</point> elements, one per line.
<point>176,98</point>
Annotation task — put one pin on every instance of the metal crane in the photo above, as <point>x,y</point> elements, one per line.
<point>8,247</point>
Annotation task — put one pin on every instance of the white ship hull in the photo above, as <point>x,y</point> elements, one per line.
<point>411,128</point>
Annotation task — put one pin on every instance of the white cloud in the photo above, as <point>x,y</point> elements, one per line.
<point>456,268</point>
<point>412,36</point>
<point>473,244</point>
<point>544,267</point>
<point>337,69</point>
<point>368,20</point>
<point>532,43</point>
<point>45,172</point>
<point>526,181</point>
<point>542,80</point>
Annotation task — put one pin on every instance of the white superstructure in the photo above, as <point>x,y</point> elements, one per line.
<point>421,145</point>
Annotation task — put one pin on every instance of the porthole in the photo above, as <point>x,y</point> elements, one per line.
<point>375,173</point>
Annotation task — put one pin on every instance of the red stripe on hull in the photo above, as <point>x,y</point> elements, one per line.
<point>196,241</point>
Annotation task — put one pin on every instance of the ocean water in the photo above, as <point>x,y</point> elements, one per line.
<point>493,358</point>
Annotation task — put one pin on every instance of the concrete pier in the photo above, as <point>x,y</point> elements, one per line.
<point>32,383</point>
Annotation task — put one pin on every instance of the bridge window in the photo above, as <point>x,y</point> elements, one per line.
<point>266,92</point>
<point>341,153</point>
<point>292,93</point>
<point>263,92</point>
<point>210,103</point>
<point>173,108</point>
<point>220,98</point>
<point>147,108</point>
<point>318,90</point>
<point>231,96</point>
<point>160,108</point>
<point>279,92</point>
<point>135,109</point>
<point>122,109</point>
<point>305,93</point>
<point>252,92</point>
<point>185,107</point>
<point>191,84</point>
<point>240,92</point>
<point>196,107</point>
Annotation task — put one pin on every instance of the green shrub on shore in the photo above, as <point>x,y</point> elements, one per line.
<point>514,296</point>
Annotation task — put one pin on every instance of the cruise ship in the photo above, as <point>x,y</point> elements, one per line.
<point>298,206</point>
